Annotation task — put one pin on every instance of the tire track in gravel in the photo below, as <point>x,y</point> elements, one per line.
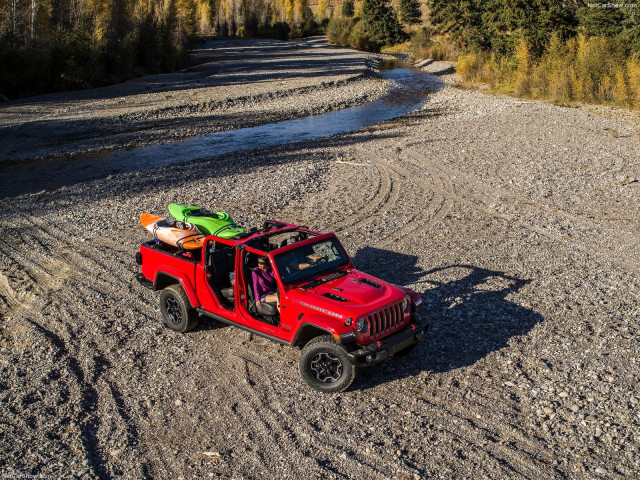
<point>471,421</point>
<point>280,421</point>
<point>104,411</point>
<point>317,202</point>
<point>47,268</point>
<point>441,184</point>
<point>89,422</point>
<point>480,195</point>
<point>397,181</point>
<point>15,289</point>
<point>83,260</point>
<point>252,410</point>
<point>385,191</point>
<point>28,277</point>
<point>41,270</point>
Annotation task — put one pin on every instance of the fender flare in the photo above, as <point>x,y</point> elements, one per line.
<point>180,278</point>
<point>416,298</point>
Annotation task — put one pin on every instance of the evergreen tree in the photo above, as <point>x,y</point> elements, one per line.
<point>631,30</point>
<point>462,21</point>
<point>498,25</point>
<point>601,21</point>
<point>409,11</point>
<point>348,8</point>
<point>381,23</point>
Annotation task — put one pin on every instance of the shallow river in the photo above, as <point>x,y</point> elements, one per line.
<point>408,92</point>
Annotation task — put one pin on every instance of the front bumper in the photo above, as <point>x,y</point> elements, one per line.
<point>386,347</point>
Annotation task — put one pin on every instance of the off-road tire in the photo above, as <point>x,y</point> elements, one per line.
<point>326,366</point>
<point>177,313</point>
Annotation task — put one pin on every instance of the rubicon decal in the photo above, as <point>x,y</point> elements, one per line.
<point>321,310</point>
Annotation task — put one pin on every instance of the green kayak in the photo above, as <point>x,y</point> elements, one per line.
<point>218,224</point>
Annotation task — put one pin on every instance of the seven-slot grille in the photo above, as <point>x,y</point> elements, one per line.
<point>385,320</point>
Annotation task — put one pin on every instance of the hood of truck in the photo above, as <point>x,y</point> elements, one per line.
<point>352,295</point>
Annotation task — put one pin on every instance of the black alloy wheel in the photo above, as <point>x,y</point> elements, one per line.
<point>177,312</point>
<point>326,366</point>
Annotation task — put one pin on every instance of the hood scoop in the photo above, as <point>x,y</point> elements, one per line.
<point>371,283</point>
<point>335,297</point>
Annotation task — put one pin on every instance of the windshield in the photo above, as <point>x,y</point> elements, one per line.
<point>309,261</point>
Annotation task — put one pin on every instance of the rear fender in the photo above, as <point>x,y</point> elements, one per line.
<point>169,276</point>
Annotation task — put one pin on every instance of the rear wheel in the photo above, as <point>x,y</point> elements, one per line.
<point>177,313</point>
<point>326,366</point>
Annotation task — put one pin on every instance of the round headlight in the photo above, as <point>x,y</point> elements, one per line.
<point>362,325</point>
<point>406,305</point>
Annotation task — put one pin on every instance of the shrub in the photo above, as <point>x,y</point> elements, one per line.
<point>469,66</point>
<point>360,40</point>
<point>310,27</point>
<point>277,30</point>
<point>338,30</point>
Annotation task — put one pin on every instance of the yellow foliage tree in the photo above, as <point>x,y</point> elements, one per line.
<point>522,80</point>
<point>633,74</point>
<point>620,91</point>
<point>321,9</point>
<point>300,10</point>
<point>289,10</point>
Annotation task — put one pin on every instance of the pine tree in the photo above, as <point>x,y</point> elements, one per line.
<point>409,11</point>
<point>381,23</point>
<point>461,20</point>
<point>601,21</point>
<point>348,8</point>
<point>631,29</point>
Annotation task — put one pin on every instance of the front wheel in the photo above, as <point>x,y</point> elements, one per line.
<point>177,313</point>
<point>326,366</point>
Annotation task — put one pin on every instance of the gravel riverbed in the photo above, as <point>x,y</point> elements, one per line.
<point>233,84</point>
<point>517,221</point>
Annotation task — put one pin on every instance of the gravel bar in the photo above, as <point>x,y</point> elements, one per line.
<point>517,221</point>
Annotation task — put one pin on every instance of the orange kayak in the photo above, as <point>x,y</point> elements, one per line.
<point>181,234</point>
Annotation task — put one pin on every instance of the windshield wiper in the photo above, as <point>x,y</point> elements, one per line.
<point>326,279</point>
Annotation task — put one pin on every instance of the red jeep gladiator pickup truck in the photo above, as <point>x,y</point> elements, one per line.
<point>341,318</point>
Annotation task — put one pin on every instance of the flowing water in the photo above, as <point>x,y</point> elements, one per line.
<point>408,92</point>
